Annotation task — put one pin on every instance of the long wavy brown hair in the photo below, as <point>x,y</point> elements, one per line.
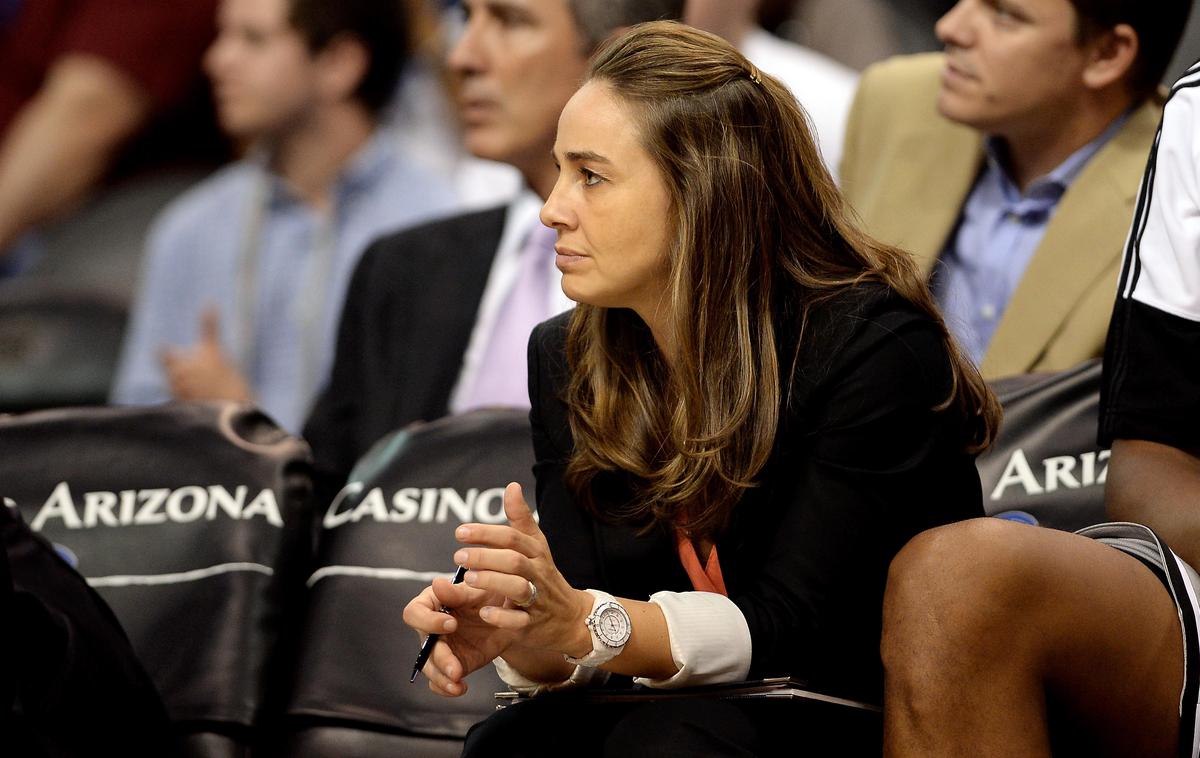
<point>761,238</point>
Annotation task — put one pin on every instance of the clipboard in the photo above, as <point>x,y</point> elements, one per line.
<point>782,687</point>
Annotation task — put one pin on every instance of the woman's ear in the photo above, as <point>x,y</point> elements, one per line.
<point>1114,53</point>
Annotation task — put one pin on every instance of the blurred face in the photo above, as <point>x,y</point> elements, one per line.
<point>610,206</point>
<point>518,62</point>
<point>264,79</point>
<point>1012,66</point>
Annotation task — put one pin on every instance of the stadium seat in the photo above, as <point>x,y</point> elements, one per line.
<point>57,347</point>
<point>384,538</point>
<point>1045,467</point>
<point>191,522</point>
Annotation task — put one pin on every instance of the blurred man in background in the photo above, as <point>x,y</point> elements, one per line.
<point>245,274</point>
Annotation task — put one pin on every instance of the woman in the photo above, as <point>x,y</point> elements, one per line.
<point>753,407</point>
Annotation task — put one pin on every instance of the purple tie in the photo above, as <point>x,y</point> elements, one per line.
<point>501,376</point>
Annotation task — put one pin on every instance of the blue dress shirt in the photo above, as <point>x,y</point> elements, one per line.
<point>275,269</point>
<point>997,234</point>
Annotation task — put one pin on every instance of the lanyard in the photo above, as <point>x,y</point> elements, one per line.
<point>310,303</point>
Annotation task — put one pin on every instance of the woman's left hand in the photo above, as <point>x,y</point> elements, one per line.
<point>507,560</point>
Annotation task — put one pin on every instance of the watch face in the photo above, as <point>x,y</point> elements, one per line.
<point>612,625</point>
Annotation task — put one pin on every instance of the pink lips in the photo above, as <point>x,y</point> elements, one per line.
<point>475,109</point>
<point>566,258</point>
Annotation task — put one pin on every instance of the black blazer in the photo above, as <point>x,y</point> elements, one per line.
<point>862,463</point>
<point>407,319</point>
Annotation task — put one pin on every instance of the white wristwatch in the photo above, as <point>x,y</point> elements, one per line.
<point>610,627</point>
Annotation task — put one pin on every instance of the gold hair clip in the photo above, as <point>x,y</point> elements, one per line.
<point>754,77</point>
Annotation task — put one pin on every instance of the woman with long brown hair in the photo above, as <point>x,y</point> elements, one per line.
<point>753,407</point>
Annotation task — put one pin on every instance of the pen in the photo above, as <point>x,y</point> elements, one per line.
<point>431,640</point>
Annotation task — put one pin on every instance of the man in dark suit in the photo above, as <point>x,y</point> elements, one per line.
<point>437,317</point>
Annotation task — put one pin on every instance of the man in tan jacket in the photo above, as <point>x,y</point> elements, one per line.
<point>1009,164</point>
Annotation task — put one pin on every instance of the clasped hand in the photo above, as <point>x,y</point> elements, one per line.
<point>490,616</point>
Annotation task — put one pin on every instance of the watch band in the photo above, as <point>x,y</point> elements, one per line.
<point>610,628</point>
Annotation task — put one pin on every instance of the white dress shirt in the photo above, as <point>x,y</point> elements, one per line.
<point>521,217</point>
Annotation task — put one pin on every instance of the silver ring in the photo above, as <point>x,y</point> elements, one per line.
<point>533,593</point>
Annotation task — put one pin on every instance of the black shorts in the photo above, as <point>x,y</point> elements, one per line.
<point>1183,583</point>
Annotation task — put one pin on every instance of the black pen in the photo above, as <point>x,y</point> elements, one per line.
<point>431,640</point>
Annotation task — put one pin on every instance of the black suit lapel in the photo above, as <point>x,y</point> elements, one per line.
<point>444,275</point>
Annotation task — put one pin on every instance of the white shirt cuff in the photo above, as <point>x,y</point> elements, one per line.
<point>710,640</point>
<point>523,685</point>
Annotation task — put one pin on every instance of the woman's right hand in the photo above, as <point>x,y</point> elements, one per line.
<point>466,642</point>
